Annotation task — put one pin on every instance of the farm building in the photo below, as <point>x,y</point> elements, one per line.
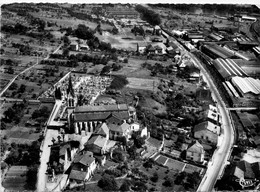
<point>228,68</point>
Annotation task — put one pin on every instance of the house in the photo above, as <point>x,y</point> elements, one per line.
<point>157,30</point>
<point>103,130</point>
<point>134,126</point>
<point>158,50</point>
<point>84,47</point>
<point>150,50</point>
<point>245,173</point>
<point>212,116</point>
<point>204,96</point>
<point>116,131</point>
<point>207,131</point>
<point>195,152</point>
<point>84,165</point>
<point>74,46</point>
<point>61,155</point>
<point>97,144</point>
<point>141,48</point>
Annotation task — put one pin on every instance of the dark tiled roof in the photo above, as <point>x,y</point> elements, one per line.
<point>99,116</point>
<point>97,140</point>
<point>196,148</point>
<point>114,118</point>
<point>102,129</point>
<point>78,175</point>
<point>64,148</point>
<point>101,108</point>
<point>246,168</point>
<point>85,158</point>
<point>118,128</point>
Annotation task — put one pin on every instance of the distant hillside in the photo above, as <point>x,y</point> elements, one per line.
<point>220,9</point>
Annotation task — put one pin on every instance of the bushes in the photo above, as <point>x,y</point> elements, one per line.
<point>118,82</point>
<point>108,183</point>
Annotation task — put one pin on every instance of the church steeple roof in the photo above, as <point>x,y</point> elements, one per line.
<point>70,89</point>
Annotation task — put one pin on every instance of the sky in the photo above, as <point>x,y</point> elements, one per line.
<point>256,2</point>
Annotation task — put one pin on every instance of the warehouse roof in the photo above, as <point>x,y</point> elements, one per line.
<point>228,67</point>
<point>219,51</point>
<point>247,84</point>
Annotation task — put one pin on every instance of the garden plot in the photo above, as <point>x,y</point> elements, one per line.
<point>15,178</point>
<point>175,165</point>
<point>191,168</point>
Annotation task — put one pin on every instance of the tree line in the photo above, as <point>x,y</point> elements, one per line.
<point>149,15</point>
<point>210,8</point>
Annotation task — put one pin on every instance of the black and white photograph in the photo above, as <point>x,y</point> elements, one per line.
<point>129,96</point>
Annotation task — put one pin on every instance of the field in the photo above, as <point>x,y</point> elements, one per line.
<point>22,136</point>
<point>119,42</point>
<point>68,21</point>
<point>145,84</point>
<point>15,178</point>
<point>162,174</point>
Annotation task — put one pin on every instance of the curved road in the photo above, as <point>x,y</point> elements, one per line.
<point>222,153</point>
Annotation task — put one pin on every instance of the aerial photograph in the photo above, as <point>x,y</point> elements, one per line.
<point>129,96</point>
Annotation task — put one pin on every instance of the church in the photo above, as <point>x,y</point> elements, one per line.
<point>87,118</point>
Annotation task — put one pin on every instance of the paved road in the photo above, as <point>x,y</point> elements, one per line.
<point>11,81</point>
<point>41,182</point>
<point>221,154</point>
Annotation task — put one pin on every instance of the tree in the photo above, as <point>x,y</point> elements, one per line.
<point>13,86</point>
<point>118,82</point>
<point>66,40</point>
<point>155,177</point>
<point>66,53</point>
<point>168,182</point>
<point>83,32</point>
<point>180,177</point>
<point>106,69</point>
<point>126,185</point>
<point>192,180</point>
<point>3,125</point>
<point>10,70</point>
<point>108,183</point>
<point>32,177</point>
<point>3,165</point>
<point>22,88</point>
<point>149,163</point>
